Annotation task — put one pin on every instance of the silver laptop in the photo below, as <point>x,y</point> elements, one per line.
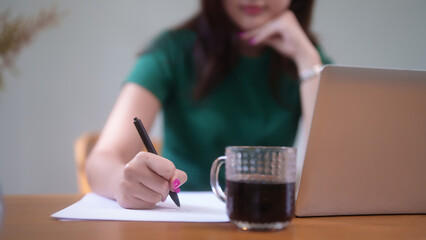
<point>366,152</point>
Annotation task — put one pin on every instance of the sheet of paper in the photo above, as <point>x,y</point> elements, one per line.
<point>195,207</point>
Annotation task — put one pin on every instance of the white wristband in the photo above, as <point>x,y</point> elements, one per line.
<point>309,73</point>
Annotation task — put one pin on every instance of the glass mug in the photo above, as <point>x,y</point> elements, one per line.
<point>260,186</point>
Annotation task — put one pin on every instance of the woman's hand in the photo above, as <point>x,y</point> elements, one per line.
<point>286,36</point>
<point>147,180</point>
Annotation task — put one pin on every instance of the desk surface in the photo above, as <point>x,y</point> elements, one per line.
<point>28,217</point>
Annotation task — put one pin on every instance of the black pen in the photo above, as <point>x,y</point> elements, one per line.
<point>150,148</point>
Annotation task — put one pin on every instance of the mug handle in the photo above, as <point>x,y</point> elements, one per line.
<point>214,175</point>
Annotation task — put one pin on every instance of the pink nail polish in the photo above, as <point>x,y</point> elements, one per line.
<point>176,183</point>
<point>252,41</point>
<point>176,190</point>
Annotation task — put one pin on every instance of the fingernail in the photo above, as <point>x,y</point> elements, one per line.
<point>176,183</point>
<point>252,41</point>
<point>176,190</point>
<point>241,34</point>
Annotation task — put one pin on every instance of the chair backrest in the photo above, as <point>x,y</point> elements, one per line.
<point>82,148</point>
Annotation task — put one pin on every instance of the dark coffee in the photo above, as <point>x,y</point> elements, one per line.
<point>260,202</point>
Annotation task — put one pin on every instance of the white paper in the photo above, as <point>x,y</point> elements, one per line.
<point>195,207</point>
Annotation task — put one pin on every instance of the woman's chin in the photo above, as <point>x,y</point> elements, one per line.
<point>250,24</point>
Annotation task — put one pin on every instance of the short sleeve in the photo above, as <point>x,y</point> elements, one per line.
<point>153,69</point>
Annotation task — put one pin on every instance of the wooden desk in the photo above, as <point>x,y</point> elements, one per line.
<point>28,217</point>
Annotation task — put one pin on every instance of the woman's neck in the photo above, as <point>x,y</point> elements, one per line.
<point>249,50</point>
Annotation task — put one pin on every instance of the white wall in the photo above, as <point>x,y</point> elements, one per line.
<point>378,33</point>
<point>381,33</point>
<point>69,77</point>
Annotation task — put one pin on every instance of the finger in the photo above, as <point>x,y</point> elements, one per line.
<point>177,180</point>
<point>141,204</point>
<point>137,171</point>
<point>131,202</point>
<point>250,34</point>
<point>274,42</point>
<point>148,195</point>
<point>161,166</point>
<point>264,34</point>
<point>140,191</point>
<point>155,182</point>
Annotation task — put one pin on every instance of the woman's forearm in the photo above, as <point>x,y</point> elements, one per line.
<point>308,91</point>
<point>308,87</point>
<point>103,173</point>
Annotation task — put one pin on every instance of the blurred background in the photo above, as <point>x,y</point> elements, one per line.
<point>70,75</point>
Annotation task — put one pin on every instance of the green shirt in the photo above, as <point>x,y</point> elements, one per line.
<point>240,111</point>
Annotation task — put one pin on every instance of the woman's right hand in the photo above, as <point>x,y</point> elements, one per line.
<point>146,180</point>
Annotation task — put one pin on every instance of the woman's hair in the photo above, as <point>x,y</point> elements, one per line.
<point>216,48</point>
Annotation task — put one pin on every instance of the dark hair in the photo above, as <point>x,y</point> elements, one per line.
<point>216,48</point>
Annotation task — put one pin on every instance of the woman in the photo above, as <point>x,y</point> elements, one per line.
<point>230,76</point>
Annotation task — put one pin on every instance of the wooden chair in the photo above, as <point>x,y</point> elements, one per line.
<point>82,147</point>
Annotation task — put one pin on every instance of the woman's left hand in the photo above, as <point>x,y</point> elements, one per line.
<point>286,36</point>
